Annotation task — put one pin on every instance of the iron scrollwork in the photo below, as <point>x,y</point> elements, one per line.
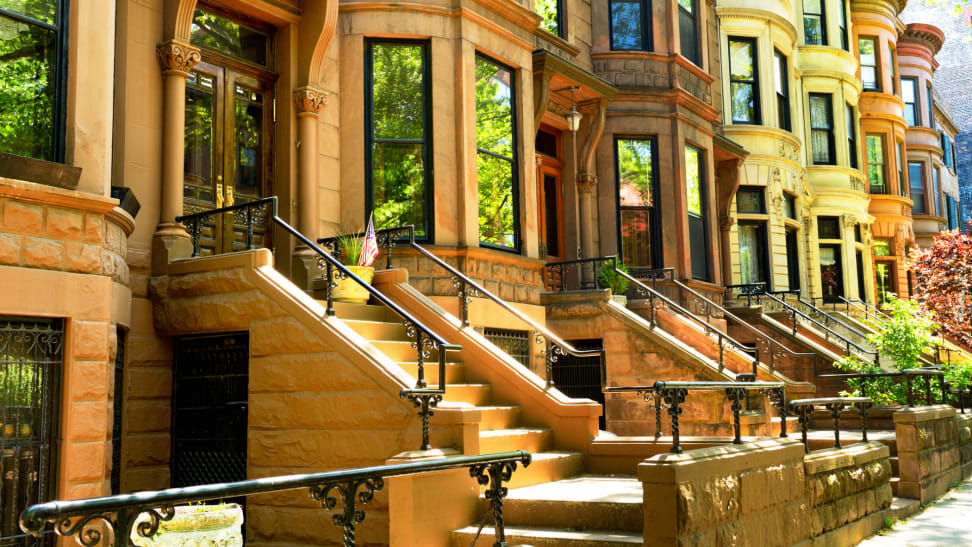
<point>736,396</point>
<point>835,409</point>
<point>655,402</point>
<point>465,293</point>
<point>494,475</point>
<point>352,493</point>
<point>118,524</point>
<point>551,356</point>
<point>777,398</point>
<point>674,397</point>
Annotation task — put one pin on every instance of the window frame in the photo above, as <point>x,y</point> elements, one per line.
<point>428,179</point>
<point>842,24</point>
<point>902,171</point>
<point>646,34</point>
<point>655,221</point>
<point>823,23</point>
<point>936,190</point>
<point>753,83</point>
<point>517,247</point>
<point>781,74</point>
<point>760,191</point>
<point>915,210</point>
<point>703,213</point>
<point>763,243</point>
<point>883,165</point>
<point>878,76</point>
<point>931,105</point>
<point>60,28</point>
<point>831,144</point>
<point>852,148</point>
<point>561,20</point>
<point>893,67</point>
<point>696,57</point>
<point>915,109</point>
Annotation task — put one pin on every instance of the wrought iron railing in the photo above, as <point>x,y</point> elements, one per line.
<point>809,309</point>
<point>425,340</point>
<point>856,306</point>
<point>908,376</point>
<point>671,395</point>
<point>88,518</point>
<point>553,346</point>
<point>771,303</point>
<point>657,300</point>
<point>803,408</point>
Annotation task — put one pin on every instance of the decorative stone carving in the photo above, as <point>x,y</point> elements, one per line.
<point>726,223</point>
<point>177,58</point>
<point>849,221</point>
<point>788,151</point>
<point>309,100</point>
<point>586,182</point>
<point>775,188</point>
<point>856,183</point>
<point>900,237</point>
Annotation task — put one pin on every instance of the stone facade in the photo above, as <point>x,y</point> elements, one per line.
<point>929,459</point>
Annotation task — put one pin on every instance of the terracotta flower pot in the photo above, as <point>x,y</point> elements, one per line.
<point>348,290</point>
<point>196,526</point>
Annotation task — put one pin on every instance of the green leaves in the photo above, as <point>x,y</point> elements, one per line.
<point>943,282</point>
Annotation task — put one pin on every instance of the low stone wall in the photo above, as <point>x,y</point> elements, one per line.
<point>928,451</point>
<point>846,489</point>
<point>964,424</point>
<point>748,494</point>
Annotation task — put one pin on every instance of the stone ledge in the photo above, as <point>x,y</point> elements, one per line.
<point>919,414</point>
<point>836,458</point>
<point>730,458</point>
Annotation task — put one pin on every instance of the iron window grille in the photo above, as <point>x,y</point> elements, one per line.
<point>31,363</point>
<point>515,343</point>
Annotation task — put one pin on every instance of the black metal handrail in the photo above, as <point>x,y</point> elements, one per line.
<point>857,304</point>
<point>771,347</point>
<point>252,209</point>
<point>425,339</point>
<point>795,315</point>
<point>821,315</point>
<point>656,300</point>
<point>553,346</point>
<point>803,408</point>
<point>908,375</point>
<point>671,395</point>
<point>355,487</point>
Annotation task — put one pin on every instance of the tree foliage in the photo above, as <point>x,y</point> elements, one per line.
<point>943,282</point>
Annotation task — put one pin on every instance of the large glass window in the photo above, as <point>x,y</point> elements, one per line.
<point>553,17</point>
<point>630,25</point>
<point>875,164</point>
<point>743,80</point>
<point>831,272</point>
<point>782,86</point>
<point>828,228</point>
<point>935,208</point>
<point>749,199</point>
<point>852,150</point>
<point>398,136</point>
<point>893,67</point>
<point>870,63</point>
<point>32,78</point>
<point>931,105</point>
<point>688,30</point>
<point>950,212</point>
<point>792,259</point>
<point>752,252</point>
<point>842,23</point>
<point>909,94</point>
<point>496,155</point>
<point>635,170</point>
<point>822,129</point>
<point>916,176</point>
<point>695,192</point>
<point>219,33</point>
<point>814,23</point>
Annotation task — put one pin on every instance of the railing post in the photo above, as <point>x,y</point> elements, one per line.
<point>928,390</point>
<point>194,231</point>
<point>944,387</point>
<point>494,475</point>
<point>351,492</point>
<point>835,409</point>
<point>249,228</point>
<point>674,397</point>
<point>803,416</point>
<point>863,409</point>
<point>910,389</point>
<point>736,395</point>
<point>329,287</point>
<point>777,398</point>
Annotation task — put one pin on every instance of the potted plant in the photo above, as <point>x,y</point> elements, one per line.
<point>195,525</point>
<point>609,278</point>
<point>357,253</point>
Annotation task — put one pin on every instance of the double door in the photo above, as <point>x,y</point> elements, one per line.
<point>228,151</point>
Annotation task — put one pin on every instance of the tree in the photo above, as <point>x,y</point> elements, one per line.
<point>943,282</point>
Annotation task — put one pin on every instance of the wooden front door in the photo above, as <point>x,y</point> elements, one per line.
<point>550,215</point>
<point>229,117</point>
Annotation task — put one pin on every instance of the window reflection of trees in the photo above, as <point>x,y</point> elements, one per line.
<point>495,157</point>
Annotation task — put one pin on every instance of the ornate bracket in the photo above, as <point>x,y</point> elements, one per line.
<point>176,58</point>
<point>674,397</point>
<point>494,475</point>
<point>352,492</point>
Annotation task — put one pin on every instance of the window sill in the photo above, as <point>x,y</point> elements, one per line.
<point>37,171</point>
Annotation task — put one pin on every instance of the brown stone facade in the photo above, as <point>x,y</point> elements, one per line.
<point>929,459</point>
<point>845,486</point>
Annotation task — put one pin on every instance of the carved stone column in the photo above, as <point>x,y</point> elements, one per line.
<point>586,190</point>
<point>308,102</point>
<point>171,240</point>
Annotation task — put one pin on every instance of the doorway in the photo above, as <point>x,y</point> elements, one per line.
<point>209,408</point>
<point>831,273</point>
<point>792,260</point>
<point>550,202</point>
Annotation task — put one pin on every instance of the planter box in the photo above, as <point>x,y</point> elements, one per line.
<point>196,526</point>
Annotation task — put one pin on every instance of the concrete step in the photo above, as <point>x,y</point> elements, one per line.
<point>525,438</point>
<point>474,394</point>
<point>402,351</point>
<point>363,312</point>
<point>498,417</point>
<point>547,537</point>
<point>377,330</point>
<point>548,467</point>
<point>455,372</point>
<point>585,502</point>
<point>902,508</point>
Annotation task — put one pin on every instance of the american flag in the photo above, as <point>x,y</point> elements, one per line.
<point>369,250</point>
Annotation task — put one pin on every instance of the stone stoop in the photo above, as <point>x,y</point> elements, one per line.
<point>500,428</point>
<point>581,511</point>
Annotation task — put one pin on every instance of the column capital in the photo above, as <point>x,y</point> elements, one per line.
<point>586,182</point>
<point>177,58</point>
<point>726,222</point>
<point>309,100</point>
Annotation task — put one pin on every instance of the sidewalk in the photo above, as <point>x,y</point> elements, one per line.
<point>947,521</point>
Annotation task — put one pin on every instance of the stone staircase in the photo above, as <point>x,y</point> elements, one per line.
<point>551,502</point>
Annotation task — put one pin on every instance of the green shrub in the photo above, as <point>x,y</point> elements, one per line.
<point>610,279</point>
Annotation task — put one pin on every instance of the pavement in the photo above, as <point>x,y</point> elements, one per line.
<point>947,521</point>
